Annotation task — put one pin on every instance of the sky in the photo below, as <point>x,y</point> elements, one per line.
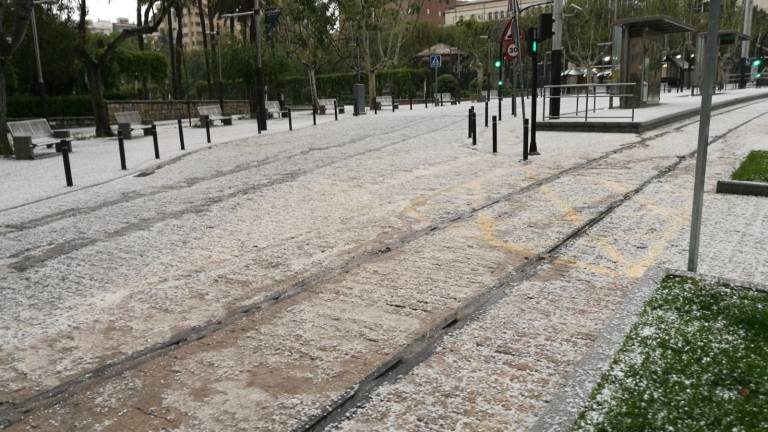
<point>110,10</point>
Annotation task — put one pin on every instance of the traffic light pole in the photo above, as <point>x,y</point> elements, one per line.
<point>521,72</point>
<point>556,66</point>
<point>260,99</point>
<point>533,41</point>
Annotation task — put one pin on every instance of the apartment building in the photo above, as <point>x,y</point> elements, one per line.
<point>434,10</point>
<point>482,10</point>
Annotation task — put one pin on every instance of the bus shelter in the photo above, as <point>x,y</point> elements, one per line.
<point>729,61</point>
<point>637,52</point>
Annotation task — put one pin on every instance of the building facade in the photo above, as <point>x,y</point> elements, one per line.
<point>434,10</point>
<point>483,10</point>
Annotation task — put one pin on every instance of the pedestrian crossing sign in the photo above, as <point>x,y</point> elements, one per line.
<point>435,61</point>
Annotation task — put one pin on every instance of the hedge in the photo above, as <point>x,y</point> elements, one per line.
<point>58,106</point>
<point>400,83</point>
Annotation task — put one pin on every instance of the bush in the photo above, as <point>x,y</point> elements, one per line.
<point>447,84</point>
<point>58,106</point>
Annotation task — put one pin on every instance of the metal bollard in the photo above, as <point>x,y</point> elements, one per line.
<point>335,111</point>
<point>181,133</point>
<point>525,139</point>
<point>258,125</point>
<point>290,120</point>
<point>514,106</point>
<point>64,147</point>
<point>486,113</point>
<point>393,105</point>
<point>426,105</point>
<point>375,108</point>
<point>441,99</point>
<point>500,99</point>
<point>474,128</point>
<point>154,142</point>
<point>314,115</point>
<point>493,127</point>
<point>469,122</point>
<point>121,150</point>
<point>207,128</point>
<point>410,102</point>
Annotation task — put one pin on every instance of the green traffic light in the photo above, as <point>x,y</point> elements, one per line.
<point>757,63</point>
<point>501,83</point>
<point>758,75</point>
<point>497,63</point>
<point>535,47</point>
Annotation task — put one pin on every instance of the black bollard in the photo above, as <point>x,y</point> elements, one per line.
<point>290,120</point>
<point>441,99</point>
<point>314,116</point>
<point>181,133</point>
<point>410,102</point>
<point>469,121</point>
<point>335,111</point>
<point>525,139</point>
<point>426,105</point>
<point>376,108</point>
<point>207,128</point>
<point>474,128</point>
<point>493,127</point>
<point>514,106</point>
<point>486,113</point>
<point>121,150</point>
<point>258,125</point>
<point>154,142</point>
<point>500,108</point>
<point>64,147</point>
<point>393,105</point>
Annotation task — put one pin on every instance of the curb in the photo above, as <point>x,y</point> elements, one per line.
<point>561,412</point>
<point>639,127</point>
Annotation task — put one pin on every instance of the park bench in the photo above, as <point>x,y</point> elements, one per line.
<point>381,101</point>
<point>211,113</point>
<point>326,106</point>
<point>129,121</point>
<point>28,134</point>
<point>273,109</point>
<point>445,98</point>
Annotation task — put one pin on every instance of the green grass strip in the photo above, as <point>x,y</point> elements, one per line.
<point>754,168</point>
<point>697,360</point>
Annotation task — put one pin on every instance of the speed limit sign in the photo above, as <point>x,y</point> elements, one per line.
<point>512,52</point>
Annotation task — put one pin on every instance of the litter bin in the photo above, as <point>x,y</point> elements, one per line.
<point>358,96</point>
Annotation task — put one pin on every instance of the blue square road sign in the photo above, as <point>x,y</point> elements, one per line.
<point>435,61</point>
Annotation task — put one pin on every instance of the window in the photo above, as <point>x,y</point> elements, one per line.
<point>490,16</point>
<point>427,11</point>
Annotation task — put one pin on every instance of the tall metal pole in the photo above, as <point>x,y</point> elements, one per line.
<point>708,75</point>
<point>221,85</point>
<point>746,29</point>
<point>521,72</point>
<point>260,98</point>
<point>556,65</point>
<point>40,83</point>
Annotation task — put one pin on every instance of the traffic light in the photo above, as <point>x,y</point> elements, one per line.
<point>531,40</point>
<point>501,83</point>
<point>497,63</point>
<point>545,26</point>
<point>757,63</point>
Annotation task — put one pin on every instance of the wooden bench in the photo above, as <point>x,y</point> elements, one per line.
<point>326,106</point>
<point>129,121</point>
<point>28,134</point>
<point>211,113</point>
<point>381,101</point>
<point>273,109</point>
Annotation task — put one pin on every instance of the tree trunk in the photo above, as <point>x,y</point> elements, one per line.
<point>172,49</point>
<point>313,87</point>
<point>179,52</point>
<point>5,146</point>
<point>205,48</point>
<point>140,42</point>
<point>371,88</point>
<point>99,105</point>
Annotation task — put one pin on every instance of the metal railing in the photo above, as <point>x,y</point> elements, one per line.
<point>585,92</point>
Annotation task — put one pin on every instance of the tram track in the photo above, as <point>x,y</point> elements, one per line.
<point>406,359</point>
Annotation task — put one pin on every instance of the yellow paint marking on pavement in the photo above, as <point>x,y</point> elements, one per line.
<point>594,268</point>
<point>488,230</point>
<point>412,208</point>
<point>676,223</point>
<point>614,186</point>
<point>570,214</point>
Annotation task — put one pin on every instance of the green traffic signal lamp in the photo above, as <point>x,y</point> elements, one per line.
<point>501,83</point>
<point>757,63</point>
<point>535,46</point>
<point>497,63</point>
<point>758,76</point>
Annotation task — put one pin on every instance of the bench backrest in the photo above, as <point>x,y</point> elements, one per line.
<point>209,110</point>
<point>272,106</point>
<point>327,103</point>
<point>384,100</point>
<point>131,117</point>
<point>36,128</point>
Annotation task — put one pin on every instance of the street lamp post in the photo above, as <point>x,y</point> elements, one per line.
<point>40,83</point>
<point>217,40</point>
<point>260,100</point>
<point>488,65</point>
